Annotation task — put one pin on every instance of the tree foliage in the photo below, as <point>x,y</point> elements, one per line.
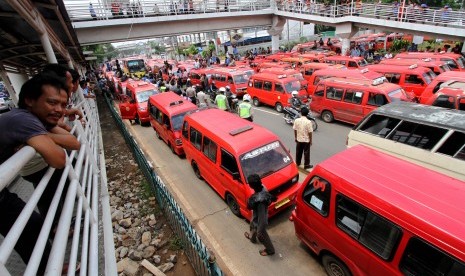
<point>102,51</point>
<point>157,48</point>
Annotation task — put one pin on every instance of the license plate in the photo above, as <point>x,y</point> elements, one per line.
<point>281,203</point>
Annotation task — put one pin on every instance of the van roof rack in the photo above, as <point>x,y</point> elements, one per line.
<point>240,130</point>
<point>176,102</point>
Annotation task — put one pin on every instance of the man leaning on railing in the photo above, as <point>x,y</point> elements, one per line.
<point>42,103</point>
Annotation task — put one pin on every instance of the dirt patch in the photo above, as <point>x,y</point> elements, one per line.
<point>130,196</point>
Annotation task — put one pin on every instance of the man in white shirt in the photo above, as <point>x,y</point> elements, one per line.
<point>303,132</point>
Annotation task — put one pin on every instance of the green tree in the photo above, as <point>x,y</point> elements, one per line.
<point>102,51</point>
<point>157,48</point>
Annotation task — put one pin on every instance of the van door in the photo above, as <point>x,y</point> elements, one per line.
<point>270,97</point>
<point>373,101</point>
<point>231,182</point>
<point>352,102</point>
<point>258,84</point>
<point>414,83</point>
<point>334,102</point>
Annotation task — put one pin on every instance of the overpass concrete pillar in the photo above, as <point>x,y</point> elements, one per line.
<point>345,31</point>
<point>276,29</point>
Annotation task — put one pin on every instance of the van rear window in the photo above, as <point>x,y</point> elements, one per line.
<point>265,160</point>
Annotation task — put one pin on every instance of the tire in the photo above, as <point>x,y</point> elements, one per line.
<point>196,170</point>
<point>314,125</point>
<point>137,120</point>
<point>172,148</point>
<point>256,102</point>
<point>278,107</point>
<point>157,134</point>
<point>287,117</point>
<point>327,116</point>
<point>233,206</point>
<point>334,267</point>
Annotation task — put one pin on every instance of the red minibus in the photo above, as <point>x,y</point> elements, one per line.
<point>364,212</point>
<point>134,102</point>
<point>437,67</point>
<point>456,62</point>
<point>436,84</point>
<point>167,111</point>
<point>347,61</point>
<point>224,150</point>
<point>236,79</point>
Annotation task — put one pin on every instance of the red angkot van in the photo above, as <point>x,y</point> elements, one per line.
<point>134,105</point>
<point>364,212</point>
<point>224,150</point>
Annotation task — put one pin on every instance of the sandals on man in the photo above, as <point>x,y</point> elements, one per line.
<point>247,236</point>
<point>265,253</point>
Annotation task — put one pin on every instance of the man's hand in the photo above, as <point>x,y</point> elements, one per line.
<point>72,112</point>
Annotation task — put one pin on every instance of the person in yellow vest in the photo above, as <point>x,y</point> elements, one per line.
<point>245,108</point>
<point>220,100</point>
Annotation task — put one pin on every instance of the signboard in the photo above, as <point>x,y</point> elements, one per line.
<point>91,58</point>
<point>88,52</point>
<point>417,39</point>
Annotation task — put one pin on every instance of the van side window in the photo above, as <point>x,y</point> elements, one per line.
<point>159,116</point>
<point>373,231</point>
<point>352,64</point>
<point>450,62</point>
<point>444,101</point>
<point>308,72</point>
<point>353,96</point>
<point>376,99</point>
<point>436,88</point>
<point>222,78</point>
<point>413,79</point>
<point>379,125</point>
<point>185,128</point>
<point>317,195</point>
<point>421,258</point>
<point>209,149</point>
<point>153,110</point>
<point>392,77</point>
<point>334,93</point>
<point>316,80</point>
<point>454,146</point>
<point>417,135</point>
<point>196,138</point>
<point>278,88</point>
<point>228,162</point>
<point>319,91</point>
<point>267,86</point>
<point>166,120</point>
<point>258,84</point>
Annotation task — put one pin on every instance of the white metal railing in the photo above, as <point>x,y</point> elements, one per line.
<point>108,9</point>
<point>85,174</point>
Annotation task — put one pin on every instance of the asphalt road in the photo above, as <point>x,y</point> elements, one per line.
<point>218,227</point>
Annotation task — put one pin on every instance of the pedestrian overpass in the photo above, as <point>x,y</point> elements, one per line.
<point>155,18</point>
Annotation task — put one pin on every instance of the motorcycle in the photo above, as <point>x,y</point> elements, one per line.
<point>233,102</point>
<point>291,113</point>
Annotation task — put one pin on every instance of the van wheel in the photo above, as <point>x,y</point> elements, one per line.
<point>327,116</point>
<point>314,125</point>
<point>334,267</point>
<point>196,170</point>
<point>279,107</point>
<point>157,134</point>
<point>172,148</point>
<point>256,102</point>
<point>137,120</point>
<point>232,203</point>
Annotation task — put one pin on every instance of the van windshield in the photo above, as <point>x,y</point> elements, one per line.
<point>429,76</point>
<point>265,160</point>
<point>291,86</point>
<point>461,62</point>
<point>362,63</point>
<point>136,65</point>
<point>143,96</point>
<point>238,79</point>
<point>176,121</point>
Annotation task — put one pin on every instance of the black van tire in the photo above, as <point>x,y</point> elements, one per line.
<point>278,107</point>
<point>157,134</point>
<point>172,148</point>
<point>137,120</point>
<point>334,267</point>
<point>314,125</point>
<point>327,116</point>
<point>196,170</point>
<point>256,102</point>
<point>233,205</point>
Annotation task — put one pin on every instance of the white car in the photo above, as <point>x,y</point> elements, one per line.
<point>5,105</point>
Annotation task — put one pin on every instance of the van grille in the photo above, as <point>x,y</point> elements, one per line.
<point>283,187</point>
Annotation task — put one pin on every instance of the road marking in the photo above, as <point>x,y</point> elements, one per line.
<point>269,112</point>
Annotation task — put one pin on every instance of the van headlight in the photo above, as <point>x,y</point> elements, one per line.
<point>178,142</point>
<point>142,108</point>
<point>295,179</point>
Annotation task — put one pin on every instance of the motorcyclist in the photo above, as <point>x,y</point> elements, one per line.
<point>295,101</point>
<point>220,100</point>
<point>229,95</point>
<point>245,108</point>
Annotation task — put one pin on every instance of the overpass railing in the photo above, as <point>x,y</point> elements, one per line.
<point>411,14</point>
<point>202,260</point>
<point>105,9</point>
<point>82,193</point>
